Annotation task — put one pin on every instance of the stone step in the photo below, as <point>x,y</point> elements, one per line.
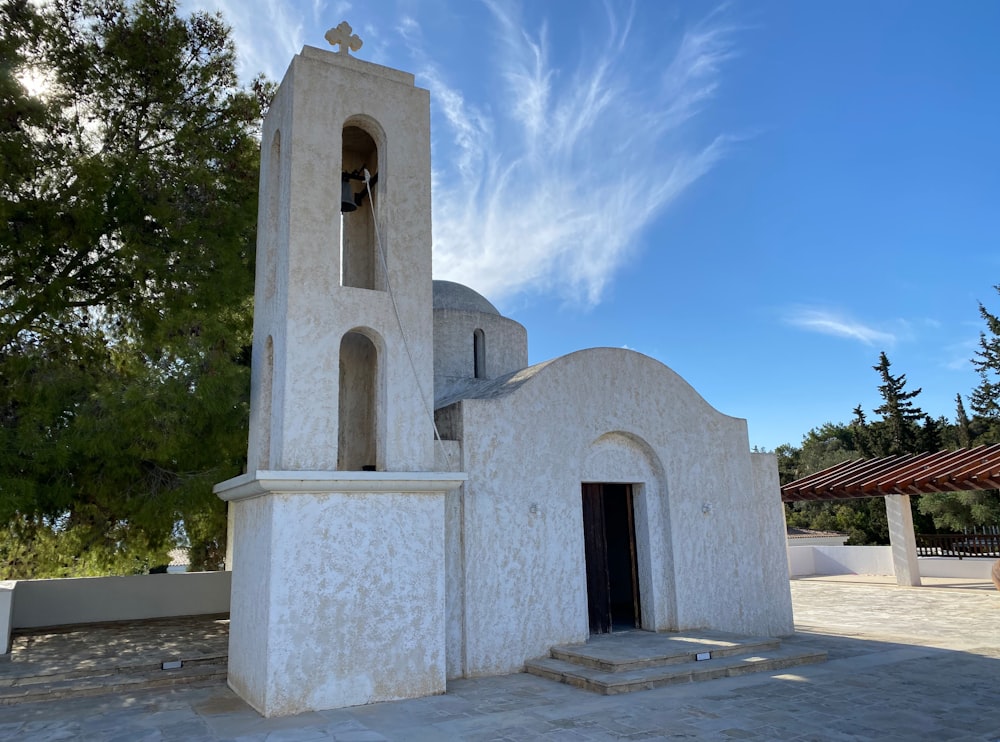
<point>634,650</point>
<point>82,681</point>
<point>656,676</point>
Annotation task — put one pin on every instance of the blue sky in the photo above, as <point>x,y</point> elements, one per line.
<point>762,195</point>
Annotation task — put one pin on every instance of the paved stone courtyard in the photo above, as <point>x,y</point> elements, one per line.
<point>905,664</point>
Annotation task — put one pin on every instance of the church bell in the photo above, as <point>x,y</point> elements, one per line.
<point>347,202</point>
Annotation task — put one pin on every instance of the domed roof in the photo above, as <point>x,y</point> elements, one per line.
<point>450,295</point>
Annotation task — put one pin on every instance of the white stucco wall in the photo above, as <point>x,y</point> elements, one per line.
<point>6,614</point>
<point>300,302</point>
<point>804,561</point>
<point>711,550</point>
<point>506,347</point>
<point>60,602</point>
<point>768,521</point>
<point>338,599</point>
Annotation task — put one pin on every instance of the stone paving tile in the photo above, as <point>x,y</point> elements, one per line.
<point>75,650</point>
<point>907,664</point>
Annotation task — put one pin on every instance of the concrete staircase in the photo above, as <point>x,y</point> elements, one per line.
<point>628,661</point>
<point>94,660</point>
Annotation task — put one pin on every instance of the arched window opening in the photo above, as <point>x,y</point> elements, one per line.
<point>356,447</point>
<point>359,262</point>
<point>479,354</point>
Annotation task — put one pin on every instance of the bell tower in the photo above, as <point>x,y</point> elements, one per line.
<point>344,291</point>
<point>337,527</point>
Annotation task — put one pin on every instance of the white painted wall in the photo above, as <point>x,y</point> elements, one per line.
<point>710,532</point>
<point>804,561</point>
<point>973,569</point>
<point>98,599</point>
<point>299,302</point>
<point>338,597</point>
<point>506,348</point>
<point>6,614</point>
<point>839,560</point>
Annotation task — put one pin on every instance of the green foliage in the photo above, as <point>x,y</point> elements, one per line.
<point>127,224</point>
<point>862,519</point>
<point>985,398</point>
<point>959,511</point>
<point>897,432</point>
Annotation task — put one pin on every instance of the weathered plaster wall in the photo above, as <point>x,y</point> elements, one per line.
<point>607,415</point>
<point>347,611</point>
<point>768,521</point>
<point>506,347</point>
<point>302,304</point>
<point>250,607</point>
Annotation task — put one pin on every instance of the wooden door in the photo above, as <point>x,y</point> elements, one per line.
<point>596,550</point>
<point>612,567</point>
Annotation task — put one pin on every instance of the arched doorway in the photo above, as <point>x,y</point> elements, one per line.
<point>612,561</point>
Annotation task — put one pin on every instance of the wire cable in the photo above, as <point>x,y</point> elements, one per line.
<point>399,321</point>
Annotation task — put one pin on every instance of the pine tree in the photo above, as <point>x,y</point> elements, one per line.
<point>862,433</point>
<point>962,423</point>
<point>985,398</point>
<point>899,414</point>
<point>127,220</point>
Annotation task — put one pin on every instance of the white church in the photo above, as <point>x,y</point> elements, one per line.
<point>419,503</point>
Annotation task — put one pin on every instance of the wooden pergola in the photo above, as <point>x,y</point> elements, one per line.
<point>895,478</point>
<point>965,470</point>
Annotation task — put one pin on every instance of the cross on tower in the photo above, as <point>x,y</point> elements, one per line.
<point>344,35</point>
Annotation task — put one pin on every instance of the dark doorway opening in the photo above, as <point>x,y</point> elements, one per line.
<point>612,567</point>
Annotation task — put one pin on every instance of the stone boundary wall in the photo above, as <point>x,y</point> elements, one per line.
<point>81,600</point>
<point>877,560</point>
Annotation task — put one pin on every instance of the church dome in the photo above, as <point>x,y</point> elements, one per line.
<point>451,295</point>
<point>473,342</point>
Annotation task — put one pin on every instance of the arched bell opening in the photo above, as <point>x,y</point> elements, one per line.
<point>360,264</point>
<point>357,448</point>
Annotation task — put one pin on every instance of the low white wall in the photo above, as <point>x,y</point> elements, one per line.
<point>98,599</point>
<point>876,560</point>
<point>973,569</point>
<point>6,612</point>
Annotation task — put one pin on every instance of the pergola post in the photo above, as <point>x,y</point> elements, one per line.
<point>903,540</point>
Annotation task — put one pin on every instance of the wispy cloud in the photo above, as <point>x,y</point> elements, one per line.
<point>548,181</point>
<point>268,33</point>
<point>957,356</point>
<point>830,322</point>
<point>553,193</point>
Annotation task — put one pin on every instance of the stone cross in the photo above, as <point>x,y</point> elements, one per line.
<point>344,35</point>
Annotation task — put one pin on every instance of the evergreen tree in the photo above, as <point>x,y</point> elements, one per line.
<point>862,433</point>
<point>985,398</point>
<point>127,218</point>
<point>899,414</point>
<point>930,437</point>
<point>962,425</point>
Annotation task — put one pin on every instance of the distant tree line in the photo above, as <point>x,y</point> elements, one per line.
<point>901,427</point>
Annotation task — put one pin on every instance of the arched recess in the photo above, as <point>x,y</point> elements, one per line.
<point>357,437</point>
<point>264,419</point>
<point>621,457</point>
<point>479,354</point>
<point>360,263</point>
<point>272,217</point>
